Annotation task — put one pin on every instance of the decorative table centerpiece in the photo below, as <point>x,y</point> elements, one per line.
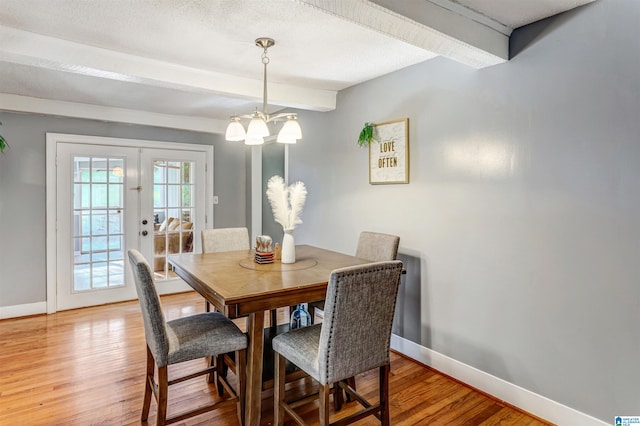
<point>287,203</point>
<point>264,250</point>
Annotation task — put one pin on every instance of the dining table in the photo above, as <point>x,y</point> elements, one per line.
<point>237,285</point>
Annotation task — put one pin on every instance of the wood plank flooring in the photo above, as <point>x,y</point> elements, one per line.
<point>86,367</point>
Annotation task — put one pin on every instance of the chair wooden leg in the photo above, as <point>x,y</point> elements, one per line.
<point>351,381</point>
<point>146,402</point>
<point>207,306</point>
<point>338,398</point>
<point>278,390</point>
<point>220,372</point>
<point>212,362</point>
<point>163,394</point>
<point>241,374</point>
<point>274,318</point>
<point>324,404</point>
<point>384,395</point>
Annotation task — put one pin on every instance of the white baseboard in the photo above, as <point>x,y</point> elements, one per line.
<point>23,310</point>
<point>16,311</point>
<point>515,395</point>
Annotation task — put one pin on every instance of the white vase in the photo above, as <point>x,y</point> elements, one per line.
<point>288,247</point>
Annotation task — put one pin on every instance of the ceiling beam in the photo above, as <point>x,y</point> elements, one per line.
<point>28,104</point>
<point>473,15</point>
<point>30,49</point>
<point>464,37</point>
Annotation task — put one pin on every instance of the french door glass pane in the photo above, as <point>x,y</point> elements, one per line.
<point>115,196</point>
<point>81,192</point>
<point>116,170</point>
<point>173,186</point>
<point>98,169</point>
<point>98,229</point>
<point>173,195</point>
<point>99,195</point>
<point>115,222</point>
<point>173,172</point>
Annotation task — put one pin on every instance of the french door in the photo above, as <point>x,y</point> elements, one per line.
<point>172,212</point>
<point>114,198</point>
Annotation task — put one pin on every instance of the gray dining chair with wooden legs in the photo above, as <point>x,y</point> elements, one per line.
<point>228,239</point>
<point>373,246</point>
<point>345,344</point>
<point>209,334</point>
<point>224,239</point>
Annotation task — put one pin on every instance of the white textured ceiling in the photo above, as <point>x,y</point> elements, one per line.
<point>189,58</point>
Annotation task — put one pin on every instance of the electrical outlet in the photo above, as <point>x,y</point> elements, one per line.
<point>215,200</point>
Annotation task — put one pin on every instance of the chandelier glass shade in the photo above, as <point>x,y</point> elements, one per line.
<point>235,130</point>
<point>290,131</point>
<point>258,128</point>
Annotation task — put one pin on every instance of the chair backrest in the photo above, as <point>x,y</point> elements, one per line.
<point>358,316</point>
<point>225,239</point>
<point>155,329</point>
<point>377,247</point>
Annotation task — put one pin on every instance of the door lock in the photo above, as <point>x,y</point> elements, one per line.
<point>144,221</point>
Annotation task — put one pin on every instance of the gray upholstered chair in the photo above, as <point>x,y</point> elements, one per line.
<point>373,246</point>
<point>224,239</point>
<point>346,343</point>
<point>228,239</point>
<point>377,247</point>
<point>183,339</point>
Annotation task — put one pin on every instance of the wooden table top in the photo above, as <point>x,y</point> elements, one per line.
<point>233,283</point>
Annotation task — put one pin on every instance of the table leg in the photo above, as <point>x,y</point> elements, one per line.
<point>254,368</point>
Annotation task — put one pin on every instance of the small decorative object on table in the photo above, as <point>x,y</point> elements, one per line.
<point>264,250</point>
<point>263,258</point>
<point>277,253</point>
<point>263,244</point>
<point>300,318</point>
<point>286,202</point>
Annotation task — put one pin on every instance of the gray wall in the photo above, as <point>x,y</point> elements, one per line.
<point>22,191</point>
<point>272,164</point>
<point>521,222</point>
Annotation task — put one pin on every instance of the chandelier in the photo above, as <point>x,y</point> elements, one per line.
<point>258,129</point>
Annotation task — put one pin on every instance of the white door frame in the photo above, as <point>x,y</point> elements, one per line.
<point>52,141</point>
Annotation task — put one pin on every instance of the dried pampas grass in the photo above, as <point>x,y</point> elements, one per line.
<point>286,202</point>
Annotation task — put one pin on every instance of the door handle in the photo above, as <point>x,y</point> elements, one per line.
<point>144,233</point>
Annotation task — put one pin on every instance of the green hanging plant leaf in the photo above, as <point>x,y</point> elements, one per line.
<point>366,135</point>
<point>3,143</point>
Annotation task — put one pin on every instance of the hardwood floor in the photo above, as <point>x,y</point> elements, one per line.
<point>86,367</point>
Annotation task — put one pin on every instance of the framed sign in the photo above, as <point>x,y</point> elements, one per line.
<point>389,153</point>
